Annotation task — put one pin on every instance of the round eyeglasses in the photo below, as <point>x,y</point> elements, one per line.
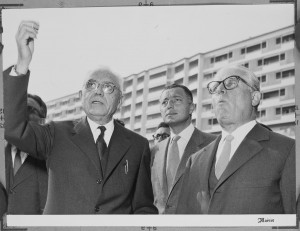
<point>106,87</point>
<point>229,83</point>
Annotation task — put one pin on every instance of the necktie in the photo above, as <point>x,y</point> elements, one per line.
<point>17,162</point>
<point>224,157</point>
<point>173,161</point>
<point>102,148</point>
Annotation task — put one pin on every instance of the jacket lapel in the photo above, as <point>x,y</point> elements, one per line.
<point>24,171</point>
<point>83,138</point>
<point>160,164</point>
<point>207,159</point>
<point>247,150</point>
<point>193,146</point>
<point>118,146</point>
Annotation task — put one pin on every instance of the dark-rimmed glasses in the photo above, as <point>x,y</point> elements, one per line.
<point>229,83</point>
<point>107,87</point>
<point>160,136</point>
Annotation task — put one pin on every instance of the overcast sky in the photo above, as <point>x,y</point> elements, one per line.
<point>129,40</point>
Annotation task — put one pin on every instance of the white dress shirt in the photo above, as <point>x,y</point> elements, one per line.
<point>239,134</point>
<point>14,152</point>
<point>185,137</point>
<point>96,132</point>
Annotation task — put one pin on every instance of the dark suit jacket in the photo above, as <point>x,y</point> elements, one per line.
<point>166,203</point>
<point>259,179</point>
<point>3,201</point>
<point>75,184</point>
<point>27,190</point>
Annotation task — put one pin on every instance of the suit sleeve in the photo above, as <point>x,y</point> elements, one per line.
<point>143,195</point>
<point>288,183</point>
<point>30,137</point>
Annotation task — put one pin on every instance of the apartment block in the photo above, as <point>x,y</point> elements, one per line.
<point>269,55</point>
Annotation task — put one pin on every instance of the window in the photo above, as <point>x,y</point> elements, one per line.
<point>287,38</point>
<point>278,111</point>
<point>262,113</point>
<point>209,75</point>
<point>288,73</point>
<point>278,40</point>
<point>253,48</point>
<point>207,107</point>
<point>259,62</point>
<point>282,57</point>
<point>71,111</point>
<point>179,81</point>
<point>193,78</point>
<point>271,60</point>
<point>282,92</point>
<point>161,74</point>
<point>194,63</point>
<point>243,51</point>
<point>288,110</point>
<point>230,55</point>
<point>212,60</point>
<point>140,79</point>
<point>264,45</point>
<point>246,65</point>
<point>270,94</point>
<point>263,78</point>
<point>179,68</point>
<point>212,121</point>
<point>221,58</point>
<point>278,75</point>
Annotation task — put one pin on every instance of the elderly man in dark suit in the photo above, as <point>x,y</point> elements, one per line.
<point>95,166</point>
<point>176,106</point>
<point>26,177</point>
<point>246,170</point>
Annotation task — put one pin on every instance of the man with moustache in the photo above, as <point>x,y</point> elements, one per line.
<point>248,169</point>
<point>170,155</point>
<point>96,165</point>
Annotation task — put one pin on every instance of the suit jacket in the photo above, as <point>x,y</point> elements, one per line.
<point>166,203</point>
<point>27,190</point>
<point>259,179</point>
<point>76,185</point>
<point>3,201</point>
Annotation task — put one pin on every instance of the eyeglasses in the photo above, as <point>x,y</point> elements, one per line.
<point>106,87</point>
<point>229,83</point>
<point>160,136</point>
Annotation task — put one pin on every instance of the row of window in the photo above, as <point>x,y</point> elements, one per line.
<point>279,75</point>
<point>279,111</point>
<point>65,102</point>
<point>65,112</point>
<point>252,48</point>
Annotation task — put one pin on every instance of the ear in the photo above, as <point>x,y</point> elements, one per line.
<point>256,96</point>
<point>192,108</point>
<point>120,101</point>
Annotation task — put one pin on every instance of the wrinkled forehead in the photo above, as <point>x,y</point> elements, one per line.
<point>232,71</point>
<point>102,76</point>
<point>173,92</point>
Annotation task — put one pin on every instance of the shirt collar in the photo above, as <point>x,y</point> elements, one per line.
<point>185,134</point>
<point>95,131</point>
<point>241,131</point>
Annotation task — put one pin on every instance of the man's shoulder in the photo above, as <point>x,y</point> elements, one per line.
<point>129,133</point>
<point>209,136</point>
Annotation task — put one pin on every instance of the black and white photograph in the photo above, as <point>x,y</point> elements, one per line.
<point>184,113</point>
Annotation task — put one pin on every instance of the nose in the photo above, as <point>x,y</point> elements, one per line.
<point>221,89</point>
<point>99,90</point>
<point>170,103</point>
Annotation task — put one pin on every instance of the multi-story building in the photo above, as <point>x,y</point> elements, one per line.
<point>269,55</point>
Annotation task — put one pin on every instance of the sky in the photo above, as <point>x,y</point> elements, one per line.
<point>71,42</point>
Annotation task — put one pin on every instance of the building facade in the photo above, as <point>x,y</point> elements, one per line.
<point>269,55</point>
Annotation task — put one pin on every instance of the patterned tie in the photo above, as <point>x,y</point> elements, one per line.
<point>224,157</point>
<point>173,161</point>
<point>102,148</point>
<point>17,162</point>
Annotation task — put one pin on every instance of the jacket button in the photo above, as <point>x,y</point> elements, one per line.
<point>97,209</point>
<point>99,181</point>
